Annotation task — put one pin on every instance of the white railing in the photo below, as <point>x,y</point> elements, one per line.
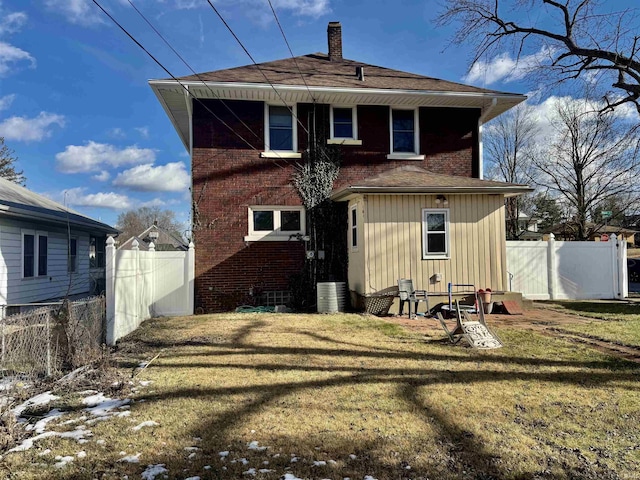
<point>555,270</point>
<point>141,285</point>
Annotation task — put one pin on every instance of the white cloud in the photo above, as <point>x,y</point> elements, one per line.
<point>81,12</point>
<point>23,129</point>
<point>103,176</point>
<point>92,156</point>
<point>10,55</point>
<point>143,131</point>
<point>504,68</point>
<point>6,101</point>
<point>172,177</point>
<point>12,22</point>
<point>78,197</point>
<point>156,202</point>
<point>117,133</point>
<point>310,8</point>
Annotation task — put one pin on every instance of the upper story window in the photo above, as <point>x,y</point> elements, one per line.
<point>275,223</point>
<point>404,134</point>
<point>35,253</point>
<point>344,126</point>
<point>280,132</point>
<point>435,233</point>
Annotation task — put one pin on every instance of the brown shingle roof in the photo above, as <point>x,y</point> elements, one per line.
<point>319,71</point>
<point>414,179</point>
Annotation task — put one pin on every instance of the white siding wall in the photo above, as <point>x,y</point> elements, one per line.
<point>57,283</point>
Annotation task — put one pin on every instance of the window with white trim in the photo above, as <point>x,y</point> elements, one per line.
<point>435,233</point>
<point>280,128</point>
<point>35,251</point>
<point>344,123</point>
<point>404,135</point>
<point>353,224</point>
<point>275,223</point>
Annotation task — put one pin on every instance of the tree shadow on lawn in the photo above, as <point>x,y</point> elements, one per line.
<point>460,453</point>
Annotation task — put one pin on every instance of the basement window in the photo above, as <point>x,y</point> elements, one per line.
<point>435,233</point>
<point>275,223</point>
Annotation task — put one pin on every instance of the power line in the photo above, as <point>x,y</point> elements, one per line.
<point>173,76</point>
<point>295,61</point>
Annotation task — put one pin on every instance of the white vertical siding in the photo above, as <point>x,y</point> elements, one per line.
<point>393,243</point>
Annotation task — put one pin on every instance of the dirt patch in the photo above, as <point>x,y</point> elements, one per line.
<point>545,321</point>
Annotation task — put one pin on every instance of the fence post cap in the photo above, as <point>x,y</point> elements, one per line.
<point>135,244</point>
<point>110,241</point>
<point>613,237</point>
<point>191,246</point>
<point>152,247</point>
<point>551,236</point>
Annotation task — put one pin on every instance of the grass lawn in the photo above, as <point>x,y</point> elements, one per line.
<point>336,396</point>
<point>613,321</point>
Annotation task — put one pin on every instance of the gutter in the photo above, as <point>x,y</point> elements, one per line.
<point>507,191</point>
<point>29,215</point>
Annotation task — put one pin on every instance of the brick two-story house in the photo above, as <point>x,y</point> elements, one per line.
<point>413,202</point>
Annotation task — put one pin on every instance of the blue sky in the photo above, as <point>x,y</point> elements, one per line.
<point>76,108</point>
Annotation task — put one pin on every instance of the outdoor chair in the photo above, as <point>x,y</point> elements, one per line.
<point>411,296</point>
<point>475,332</point>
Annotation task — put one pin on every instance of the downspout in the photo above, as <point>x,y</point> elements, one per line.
<point>483,116</point>
<point>187,99</point>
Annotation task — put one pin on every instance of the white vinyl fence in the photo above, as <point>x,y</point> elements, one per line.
<point>141,285</point>
<point>551,270</point>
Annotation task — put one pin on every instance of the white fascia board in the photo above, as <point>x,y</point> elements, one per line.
<point>169,112</point>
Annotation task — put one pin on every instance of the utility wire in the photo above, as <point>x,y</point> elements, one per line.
<point>173,76</point>
<point>295,61</point>
<point>257,66</point>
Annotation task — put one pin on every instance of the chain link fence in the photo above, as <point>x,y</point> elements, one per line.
<point>47,340</point>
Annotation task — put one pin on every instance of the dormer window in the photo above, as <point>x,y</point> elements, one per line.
<point>344,126</point>
<point>281,133</point>
<point>403,125</point>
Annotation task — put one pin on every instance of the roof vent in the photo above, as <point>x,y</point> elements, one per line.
<point>334,37</point>
<point>360,73</point>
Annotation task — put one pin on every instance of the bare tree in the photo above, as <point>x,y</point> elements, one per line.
<point>509,142</point>
<point>7,165</point>
<point>581,37</point>
<point>135,222</point>
<point>593,158</point>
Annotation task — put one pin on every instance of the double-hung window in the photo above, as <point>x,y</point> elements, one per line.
<point>344,126</point>
<point>280,132</point>
<point>435,233</point>
<point>404,134</point>
<point>35,250</point>
<point>275,223</point>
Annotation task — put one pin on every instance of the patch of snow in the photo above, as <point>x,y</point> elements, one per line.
<point>191,449</point>
<point>332,462</point>
<point>37,400</point>
<point>207,467</point>
<point>251,471</point>
<point>148,423</point>
<point>130,458</point>
<point>254,446</point>
<point>265,470</point>
<point>44,452</point>
<point>290,476</point>
<point>369,477</point>
<point>319,463</point>
<point>153,471</point>
<point>266,462</point>
<point>192,455</point>
<point>101,442</point>
<point>193,478</point>
<point>88,392</point>
<point>224,454</point>
<point>62,461</point>
<point>81,454</point>
<point>143,364</point>
<point>41,425</point>
<point>353,457</point>
<point>294,459</point>
<point>101,406</point>
<point>145,383</point>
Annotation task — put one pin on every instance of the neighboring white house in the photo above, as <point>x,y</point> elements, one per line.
<point>47,251</point>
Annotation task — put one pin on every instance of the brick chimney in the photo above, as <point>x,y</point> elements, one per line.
<point>334,36</point>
